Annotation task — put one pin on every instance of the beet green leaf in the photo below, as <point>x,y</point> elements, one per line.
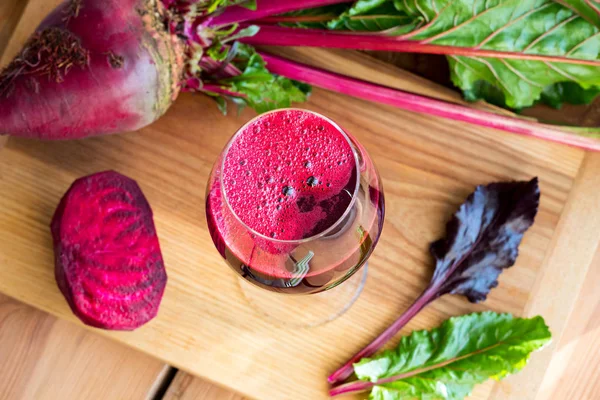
<point>513,27</point>
<point>447,362</point>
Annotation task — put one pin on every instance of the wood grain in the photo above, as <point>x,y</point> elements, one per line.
<point>562,275</point>
<point>573,371</point>
<point>10,13</point>
<point>205,327</point>
<point>33,13</point>
<point>187,387</point>
<point>46,358</point>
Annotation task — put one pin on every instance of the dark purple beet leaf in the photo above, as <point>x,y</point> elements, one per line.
<point>482,239</point>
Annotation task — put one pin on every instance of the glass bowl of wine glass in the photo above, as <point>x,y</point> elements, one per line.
<point>295,206</point>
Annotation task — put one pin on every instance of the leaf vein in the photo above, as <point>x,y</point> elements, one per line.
<point>493,71</point>
<point>466,22</point>
<point>421,11</point>
<point>560,71</point>
<point>519,74</point>
<point>593,7</point>
<point>442,364</point>
<point>510,23</point>
<point>467,66</point>
<point>582,43</point>
<point>549,31</point>
<point>428,23</point>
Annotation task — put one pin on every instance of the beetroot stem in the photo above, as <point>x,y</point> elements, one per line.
<point>267,8</point>
<point>342,373</point>
<point>352,387</point>
<point>421,104</point>
<point>283,36</point>
<point>279,19</point>
<point>220,90</point>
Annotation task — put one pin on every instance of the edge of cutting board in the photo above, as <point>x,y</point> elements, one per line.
<point>574,244</point>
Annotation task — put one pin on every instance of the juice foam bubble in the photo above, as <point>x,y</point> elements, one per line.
<point>289,175</point>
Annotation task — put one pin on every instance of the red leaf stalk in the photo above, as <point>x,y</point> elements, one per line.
<point>267,8</point>
<point>342,373</point>
<point>422,104</point>
<point>352,387</point>
<point>283,36</point>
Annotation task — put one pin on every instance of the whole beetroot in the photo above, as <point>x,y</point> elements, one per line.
<point>108,265</point>
<point>92,67</point>
<point>97,67</point>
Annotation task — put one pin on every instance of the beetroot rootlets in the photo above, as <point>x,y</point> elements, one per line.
<point>92,67</point>
<point>109,265</point>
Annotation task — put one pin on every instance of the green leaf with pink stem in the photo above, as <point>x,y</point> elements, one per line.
<point>522,49</point>
<point>446,363</point>
<point>541,27</point>
<point>297,12</point>
<point>533,26</point>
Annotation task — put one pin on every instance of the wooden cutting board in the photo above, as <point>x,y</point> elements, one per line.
<point>428,165</point>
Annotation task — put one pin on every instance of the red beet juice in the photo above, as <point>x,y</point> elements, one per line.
<point>292,204</point>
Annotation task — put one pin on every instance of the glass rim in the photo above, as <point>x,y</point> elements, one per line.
<point>337,222</point>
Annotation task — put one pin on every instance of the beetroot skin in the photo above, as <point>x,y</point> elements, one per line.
<point>109,265</point>
<point>92,67</point>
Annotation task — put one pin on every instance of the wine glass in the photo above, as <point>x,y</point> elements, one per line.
<point>295,206</point>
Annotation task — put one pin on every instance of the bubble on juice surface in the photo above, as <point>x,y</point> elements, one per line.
<point>288,191</point>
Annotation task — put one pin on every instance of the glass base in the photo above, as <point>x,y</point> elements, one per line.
<point>305,311</point>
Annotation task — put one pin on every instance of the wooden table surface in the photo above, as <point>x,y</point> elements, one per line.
<point>43,357</point>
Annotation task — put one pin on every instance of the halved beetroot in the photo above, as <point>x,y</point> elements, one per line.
<point>109,265</point>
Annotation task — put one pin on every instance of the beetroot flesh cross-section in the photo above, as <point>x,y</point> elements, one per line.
<point>108,265</point>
